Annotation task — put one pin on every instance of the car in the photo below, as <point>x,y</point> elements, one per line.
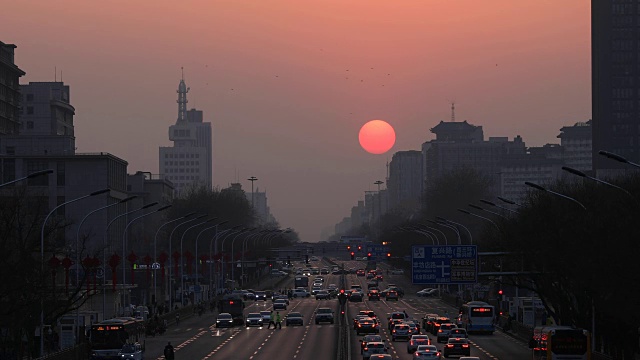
<point>415,328</point>
<point>369,313</point>
<point>279,304</point>
<point>315,289</point>
<point>457,346</point>
<point>427,321</point>
<point>397,272</point>
<point>370,276</point>
<point>300,293</point>
<point>314,258</point>
<point>427,352</point>
<point>324,271</point>
<point>357,319</point>
<point>356,296</point>
<point>254,319</point>
<point>324,315</point>
<point>468,358</point>
<point>323,295</point>
<point>380,357</point>
<point>428,292</point>
<point>401,331</point>
<point>417,340</point>
<point>372,348</point>
<point>458,332</point>
<point>372,285</point>
<point>366,326</point>
<point>294,318</point>
<point>367,339</point>
<point>131,351</point>
<point>281,297</point>
<point>379,277</point>
<point>392,295</point>
<point>443,331</point>
<point>266,316</point>
<point>224,320</point>
<point>261,295</point>
<point>360,272</point>
<point>437,322</point>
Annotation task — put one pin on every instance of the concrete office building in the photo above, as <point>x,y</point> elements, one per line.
<point>10,75</point>
<point>189,161</point>
<point>576,142</point>
<point>46,109</point>
<point>615,83</point>
<point>405,180</point>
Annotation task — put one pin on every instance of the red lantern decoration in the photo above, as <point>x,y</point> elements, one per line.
<point>66,264</point>
<point>176,260</point>
<point>162,259</point>
<point>189,256</point>
<point>147,260</point>
<point>132,259</point>
<point>114,261</point>
<point>54,262</point>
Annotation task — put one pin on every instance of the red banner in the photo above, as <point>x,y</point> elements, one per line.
<point>54,262</point>
<point>176,260</point>
<point>189,256</point>
<point>162,259</point>
<point>66,264</point>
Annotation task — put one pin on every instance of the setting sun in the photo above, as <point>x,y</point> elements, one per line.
<point>377,137</point>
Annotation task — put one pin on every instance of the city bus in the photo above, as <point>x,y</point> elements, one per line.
<point>560,342</point>
<point>301,281</point>
<point>478,316</point>
<point>107,338</point>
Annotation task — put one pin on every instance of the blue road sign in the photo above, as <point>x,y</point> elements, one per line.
<point>444,264</point>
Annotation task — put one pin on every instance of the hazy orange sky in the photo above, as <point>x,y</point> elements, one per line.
<point>287,84</point>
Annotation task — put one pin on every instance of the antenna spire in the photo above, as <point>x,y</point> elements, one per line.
<point>453,111</point>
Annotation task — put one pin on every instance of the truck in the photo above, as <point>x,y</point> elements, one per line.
<point>234,305</point>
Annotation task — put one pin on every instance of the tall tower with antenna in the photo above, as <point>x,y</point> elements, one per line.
<point>189,161</point>
<point>182,99</point>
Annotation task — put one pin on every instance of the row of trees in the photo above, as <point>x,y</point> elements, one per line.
<point>583,263</point>
<point>30,285</point>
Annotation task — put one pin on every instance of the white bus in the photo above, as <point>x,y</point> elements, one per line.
<point>478,316</point>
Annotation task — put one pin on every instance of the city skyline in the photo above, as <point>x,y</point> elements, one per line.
<point>286,106</point>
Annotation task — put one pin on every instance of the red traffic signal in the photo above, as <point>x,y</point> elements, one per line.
<point>353,255</point>
<point>348,247</point>
<point>500,292</point>
<point>341,291</point>
<point>359,247</point>
<point>388,255</point>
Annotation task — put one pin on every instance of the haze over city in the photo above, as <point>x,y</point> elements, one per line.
<point>288,84</point>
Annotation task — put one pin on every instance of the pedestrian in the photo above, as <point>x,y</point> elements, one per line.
<point>177,319</point>
<point>271,321</point>
<point>278,321</point>
<point>168,351</point>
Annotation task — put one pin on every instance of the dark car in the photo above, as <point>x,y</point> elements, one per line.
<point>367,326</point>
<point>355,296</point>
<point>374,295</point>
<point>457,346</point>
<point>369,338</point>
<point>261,295</point>
<point>392,295</point>
<point>427,321</point>
<point>294,318</point>
<point>435,326</point>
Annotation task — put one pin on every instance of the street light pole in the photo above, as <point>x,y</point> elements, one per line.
<point>510,202</point>
<point>233,278</point>
<point>489,211</point>
<point>479,216</point>
<point>617,158</point>
<point>252,179</point>
<point>447,223</point>
<point>198,237</point>
<point>182,262</point>
<point>583,175</point>
<point>42,256</point>
<point>498,206</point>
<point>213,252</point>
<point>446,241</point>
<point>104,254</point>
<point>171,255</point>
<point>538,187</point>
<point>155,251</point>
<point>222,251</point>
<point>124,250</point>
<point>30,176</point>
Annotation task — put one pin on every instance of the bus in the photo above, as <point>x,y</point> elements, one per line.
<point>560,342</point>
<point>301,281</point>
<point>478,316</point>
<point>107,338</point>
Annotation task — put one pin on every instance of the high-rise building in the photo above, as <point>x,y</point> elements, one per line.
<point>10,74</point>
<point>405,180</point>
<point>46,109</point>
<point>615,79</point>
<point>189,161</point>
<point>576,143</point>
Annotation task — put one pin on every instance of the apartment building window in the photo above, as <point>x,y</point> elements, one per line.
<point>29,97</point>
<point>29,124</point>
<point>30,110</point>
<point>33,166</point>
<point>11,150</point>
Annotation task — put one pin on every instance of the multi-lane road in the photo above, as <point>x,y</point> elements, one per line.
<point>197,337</point>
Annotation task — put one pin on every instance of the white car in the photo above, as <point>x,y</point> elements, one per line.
<point>397,272</point>
<point>427,352</point>
<point>300,293</point>
<point>254,319</point>
<point>372,348</point>
<point>427,292</point>
<point>131,351</point>
<point>266,316</point>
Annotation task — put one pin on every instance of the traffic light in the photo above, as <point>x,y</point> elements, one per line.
<point>353,255</point>
<point>359,247</point>
<point>500,292</point>
<point>348,247</point>
<point>388,255</point>
<point>368,256</point>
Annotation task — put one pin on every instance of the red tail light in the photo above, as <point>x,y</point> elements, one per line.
<point>465,345</point>
<point>412,343</point>
<point>449,345</point>
<point>365,349</point>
